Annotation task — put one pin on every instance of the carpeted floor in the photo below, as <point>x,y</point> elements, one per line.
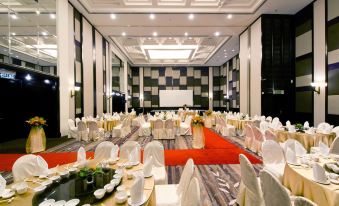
<point>219,182</point>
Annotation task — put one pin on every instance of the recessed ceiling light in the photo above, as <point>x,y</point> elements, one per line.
<point>113,16</point>
<point>28,77</point>
<point>37,12</point>
<point>14,16</point>
<point>123,33</point>
<point>13,33</point>
<point>217,33</point>
<point>224,50</point>
<point>149,38</point>
<point>169,37</point>
<point>191,16</point>
<point>155,34</point>
<point>189,37</point>
<point>229,16</point>
<point>233,50</point>
<point>152,16</point>
<point>44,33</point>
<point>52,16</point>
<point>186,34</point>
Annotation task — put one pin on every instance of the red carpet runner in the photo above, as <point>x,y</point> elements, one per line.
<point>217,151</point>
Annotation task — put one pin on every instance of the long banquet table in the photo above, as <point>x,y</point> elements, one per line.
<point>26,199</point>
<point>300,181</point>
<point>238,123</point>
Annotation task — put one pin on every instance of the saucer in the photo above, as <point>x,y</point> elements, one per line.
<point>323,183</point>
<point>8,194</point>
<point>144,199</point>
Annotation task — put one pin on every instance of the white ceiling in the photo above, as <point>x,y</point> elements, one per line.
<point>171,20</point>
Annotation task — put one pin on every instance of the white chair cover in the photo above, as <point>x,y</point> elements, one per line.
<point>186,177</point>
<point>334,149</point>
<point>83,131</point>
<point>324,127</point>
<point>264,126</point>
<point>158,130</point>
<point>192,196</point>
<point>258,139</point>
<point>269,135</point>
<point>226,129</point>
<point>249,191</point>
<point>156,150</point>
<point>145,127</point>
<point>72,130</point>
<point>273,158</point>
<point>249,136</point>
<point>185,127</point>
<point>77,120</point>
<point>295,146</point>
<point>28,166</point>
<point>103,151</point>
<point>336,131</point>
<point>127,148</point>
<point>95,133</point>
<point>273,192</point>
<point>169,129</point>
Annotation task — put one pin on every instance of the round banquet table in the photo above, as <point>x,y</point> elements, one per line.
<point>108,125</point>
<point>307,140</point>
<point>26,199</point>
<point>176,122</point>
<point>299,180</point>
<point>239,124</point>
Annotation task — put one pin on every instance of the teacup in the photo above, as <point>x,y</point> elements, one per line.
<point>100,193</point>
<point>121,197</point>
<point>21,188</point>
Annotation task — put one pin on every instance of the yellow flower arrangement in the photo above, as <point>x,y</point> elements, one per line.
<point>36,121</point>
<point>197,120</point>
<point>208,112</point>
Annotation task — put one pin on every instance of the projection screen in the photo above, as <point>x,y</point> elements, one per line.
<point>175,98</point>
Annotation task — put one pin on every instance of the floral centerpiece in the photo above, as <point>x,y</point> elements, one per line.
<point>197,121</point>
<point>208,112</point>
<point>299,127</point>
<point>36,141</point>
<point>198,137</point>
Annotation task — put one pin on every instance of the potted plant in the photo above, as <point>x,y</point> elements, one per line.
<point>36,141</point>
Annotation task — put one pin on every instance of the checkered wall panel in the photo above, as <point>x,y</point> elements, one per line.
<point>135,87</point>
<point>232,66</point>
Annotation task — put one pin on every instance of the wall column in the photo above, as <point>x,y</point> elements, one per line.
<point>125,90</point>
<point>210,88</point>
<point>141,86</point>
<point>244,56</point>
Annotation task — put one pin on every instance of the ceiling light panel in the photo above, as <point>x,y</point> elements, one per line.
<point>169,54</point>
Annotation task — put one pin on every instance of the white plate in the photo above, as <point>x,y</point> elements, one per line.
<point>47,202</point>
<point>59,203</point>
<point>72,202</point>
<point>323,183</point>
<point>139,203</point>
<point>135,163</point>
<point>8,194</point>
<point>336,182</point>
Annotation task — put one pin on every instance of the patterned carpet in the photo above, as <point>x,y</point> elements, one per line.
<point>218,183</point>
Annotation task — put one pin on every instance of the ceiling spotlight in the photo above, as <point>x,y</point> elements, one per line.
<point>123,33</point>
<point>13,33</point>
<point>169,37</point>
<point>229,16</point>
<point>217,33</point>
<point>189,37</point>
<point>52,16</point>
<point>47,81</point>
<point>155,34</point>
<point>28,77</point>
<point>191,16</point>
<point>152,16</point>
<point>44,33</point>
<point>233,50</point>
<point>37,12</point>
<point>186,34</point>
<point>224,50</point>
<point>149,38</point>
<point>113,16</point>
<point>14,16</point>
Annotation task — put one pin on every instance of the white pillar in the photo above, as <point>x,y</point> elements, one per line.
<point>244,56</point>
<point>141,86</point>
<point>210,88</point>
<point>319,59</point>
<point>125,90</point>
<point>65,40</point>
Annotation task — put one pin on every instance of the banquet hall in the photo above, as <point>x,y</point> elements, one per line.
<point>169,102</point>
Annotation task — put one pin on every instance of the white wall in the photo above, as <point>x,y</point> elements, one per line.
<point>87,59</point>
<point>319,59</point>
<point>244,56</point>
<point>255,69</point>
<point>99,73</point>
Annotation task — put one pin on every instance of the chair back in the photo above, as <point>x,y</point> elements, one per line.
<point>169,124</point>
<point>158,124</point>
<point>156,150</point>
<point>275,120</point>
<point>250,181</point>
<point>222,122</point>
<point>336,131</point>
<point>71,123</point>
<point>269,135</point>
<point>295,146</point>
<point>273,192</point>
<point>248,131</point>
<point>269,119</point>
<point>103,151</point>
<point>262,118</point>
<point>188,119</point>
<point>77,120</point>
<point>127,148</point>
<point>82,126</point>
<point>334,149</point>
<point>186,177</point>
<point>93,126</point>
<point>28,166</point>
<point>272,152</point>
<point>192,196</point>
<point>264,125</point>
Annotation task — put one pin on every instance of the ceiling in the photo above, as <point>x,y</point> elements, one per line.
<point>219,20</point>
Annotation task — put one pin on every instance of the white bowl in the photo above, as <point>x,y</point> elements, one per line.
<point>39,189</point>
<point>115,182</point>
<point>121,188</point>
<point>109,188</point>
<point>55,178</point>
<point>21,188</point>
<point>100,193</point>
<point>64,174</point>
<point>117,176</point>
<point>119,171</point>
<point>121,197</point>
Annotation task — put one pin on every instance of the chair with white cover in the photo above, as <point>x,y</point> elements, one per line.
<point>170,195</point>
<point>249,137</point>
<point>192,196</point>
<point>145,127</point>
<point>273,158</point>
<point>334,149</point>
<point>158,129</point>
<point>156,150</point>
<point>77,120</point>
<point>185,127</point>
<point>121,130</point>
<point>275,194</point>
<point>169,129</point>
<point>324,127</point>
<point>226,129</point>
<point>249,192</point>
<point>28,166</point>
<point>269,135</point>
<point>127,148</point>
<point>83,131</point>
<point>264,126</point>
<point>258,139</point>
<point>72,130</point>
<point>336,131</point>
<point>95,133</point>
<point>103,151</point>
<point>269,119</point>
<point>295,146</point>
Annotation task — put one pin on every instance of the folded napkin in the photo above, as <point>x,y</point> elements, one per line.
<point>2,185</point>
<point>133,156</point>
<point>324,149</point>
<point>310,130</point>
<point>148,167</point>
<point>137,190</point>
<point>114,152</point>
<point>291,128</point>
<point>81,155</point>
<point>288,123</point>
<point>290,156</point>
<point>319,174</point>
<point>306,125</point>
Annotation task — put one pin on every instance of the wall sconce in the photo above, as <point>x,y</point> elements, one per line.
<point>316,86</point>
<point>76,89</point>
